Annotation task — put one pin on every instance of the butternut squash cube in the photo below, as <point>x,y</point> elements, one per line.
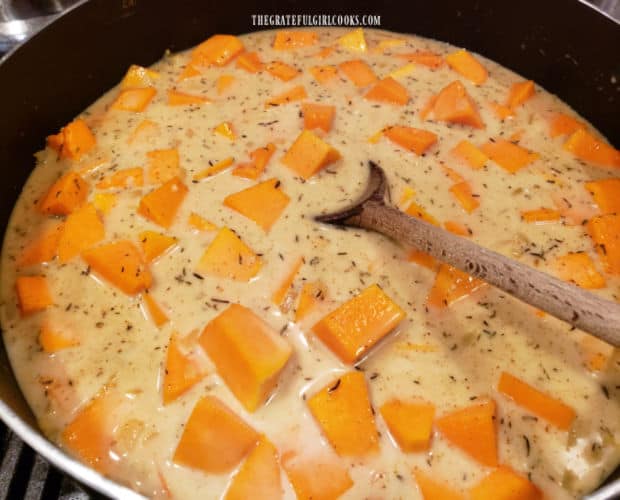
<point>135,100</point>
<point>352,329</point>
<point>248,354</point>
<point>121,264</point>
<point>324,74</point>
<point>467,65</point>
<point>223,83</point>
<point>509,156</point>
<point>451,285</point>
<point>519,93</point>
<point>470,154</point>
<point>295,94</point>
<point>229,257</point>
<point>453,104</point>
<point>280,293</point>
<point>177,98</point>
<point>65,195</point>
<point>605,233</point>
<point>318,116</point>
<point>77,140</point>
<point>359,72</point>
<point>415,140</point>
<point>424,57</point>
<point>33,294</point>
<point>161,204</point>
<point>181,372</point>
<point>259,475</point>
<point>463,194</point>
<point>225,129</point>
<point>309,154</point>
<point>561,124</point>
<point>606,194</point>
<point>343,411</point>
<point>505,484</point>
<point>311,294</point>
<point>154,244</point>
<point>163,165</point>
<point>432,489</point>
<point>218,50</point>
<point>541,215</point>
<point>216,168</point>
<point>294,39</point>
<point>250,62</point>
<point>214,439</point>
<point>579,268</point>
<point>282,71</point>
<point>587,147</point>
<point>139,77</point>
<point>263,203</point>
<point>354,40</point>
<point>128,177</point>
<point>410,423</point>
<point>54,339</point>
<point>83,229</point>
<point>42,248</point>
<point>388,90</point>
<point>154,310</point>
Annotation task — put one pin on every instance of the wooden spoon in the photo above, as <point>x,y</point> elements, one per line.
<point>563,300</point>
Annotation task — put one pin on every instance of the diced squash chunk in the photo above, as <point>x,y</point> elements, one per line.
<point>344,413</point>
<point>128,177</point>
<point>417,211</point>
<point>248,354</point>
<point>472,429</point>
<point>402,71</point>
<point>414,139</point>
<point>309,154</point>
<point>263,203</point>
<point>228,257</point>
<point>189,71</point>
<point>253,169</point>
<point>324,52</point>
<point>452,174</point>
<point>83,229</point>
<point>561,124</point>
<point>501,111</point>
<point>354,41</point>
<point>259,475</point>
<point>390,91</point>
<point>289,40</point>
<point>605,233</point>
<point>509,156</point>
<point>224,82</point>
<point>425,58</point>
<point>214,169</point>
<point>541,215</point>
<point>139,77</point>
<point>388,43</point>
<point>121,264</point>
<point>142,131</point>
<point>200,223</point>
<point>595,353</point>
<point>163,165</point>
<point>316,477</point>
<point>65,195</point>
<point>352,329</point>
<point>453,104</point>
<point>214,439</point>
<point>282,71</point>
<point>250,62</point>
<point>432,489</point>
<point>606,194</point>
<point>176,98</point>
<point>33,294</point>
<point>54,339</point>
<point>154,310</point>
<point>586,147</point>
<point>74,140</point>
<point>161,204</point>
<point>505,484</point>
<point>470,154</point>
<point>324,74</point>
<point>42,248</point>
<point>295,94</point>
<point>467,65</point>
<point>457,228</point>
<point>154,244</point>
<point>410,423</point>
<point>280,293</point>
<point>135,100</point>
<point>310,295</point>
<point>451,285</point>
<point>225,129</point>
<point>519,93</point>
<point>181,373</point>
<point>318,116</point>
<point>535,401</point>
<point>462,192</point>
<point>218,50</point>
<point>579,269</point>
<point>358,72</point>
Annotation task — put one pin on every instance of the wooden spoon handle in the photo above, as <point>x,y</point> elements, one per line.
<point>568,302</point>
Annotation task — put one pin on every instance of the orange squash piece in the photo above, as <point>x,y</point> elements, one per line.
<point>316,476</point>
<point>33,294</point>
<point>248,354</point>
<point>139,77</point>
<point>390,91</point>
<point>417,211</point>
<point>359,72</point>
<point>223,83</point>
<point>467,65</point>
<point>263,203</point>
<point>225,129</point>
<point>415,140</point>
<point>65,195</point>
<point>352,329</point>
<point>324,74</point>
<point>177,98</point>
<point>290,40</point>
<point>410,423</point>
<point>324,52</point>
<point>42,248</point>
<point>309,154</point>
<point>260,157</point>
<point>605,233</point>
<point>83,229</point>
<point>161,204</point>
<point>562,124</point>
<point>505,484</point>
<point>472,429</point>
<point>278,295</point>
<point>453,104</point>
<point>422,259</point>
<point>142,131</point>
<point>457,228</point>
<point>606,194</point>
<point>135,100</point>
<point>354,41</point>
<point>229,257</point>
<point>541,215</point>
<point>121,264</point>
<point>318,116</point>
<point>163,165</point>
<point>451,285</point>
<point>128,177</point>
<point>509,156</point>
<point>214,439</point>
<point>156,313</point>
<point>535,401</point>
<point>432,489</point>
<point>154,244</point>
<point>189,71</point>
<point>282,71</point>
<point>579,268</point>
<point>519,93</point>
<point>259,475</point>
<point>77,140</point>
<point>586,147</point>
<point>181,372</point>
<point>200,223</point>
<point>343,411</point>
<point>216,168</point>
<point>501,111</point>
<point>310,295</point>
<point>218,50</point>
<point>452,174</point>
<point>424,57</point>
<point>295,94</point>
<point>250,62</point>
<point>462,192</point>
<point>53,339</point>
<point>470,154</point>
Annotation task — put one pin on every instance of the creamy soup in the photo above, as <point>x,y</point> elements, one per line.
<point>178,320</point>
